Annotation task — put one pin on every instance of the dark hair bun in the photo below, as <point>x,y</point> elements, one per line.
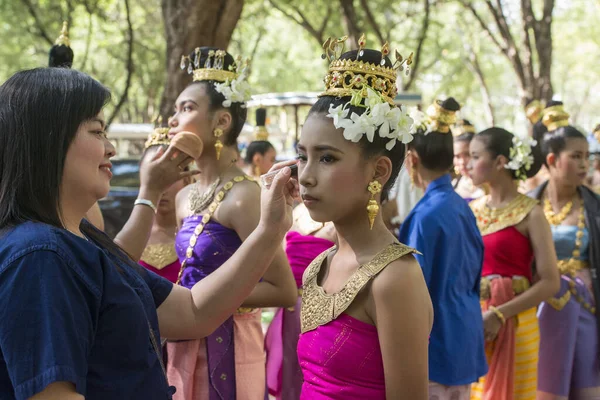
<point>261,116</point>
<point>450,104</point>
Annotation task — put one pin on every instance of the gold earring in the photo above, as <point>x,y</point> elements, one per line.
<point>411,175</point>
<point>218,132</point>
<point>256,171</point>
<point>373,207</point>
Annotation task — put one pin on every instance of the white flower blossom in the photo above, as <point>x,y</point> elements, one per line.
<point>337,114</point>
<point>235,91</point>
<point>521,158</point>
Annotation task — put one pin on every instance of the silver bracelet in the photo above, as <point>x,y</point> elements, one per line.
<point>145,202</point>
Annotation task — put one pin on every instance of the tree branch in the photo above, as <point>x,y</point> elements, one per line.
<point>351,21</point>
<point>418,52</point>
<point>303,21</point>
<point>38,23</point>
<point>130,67</point>
<point>371,19</point>
<point>88,42</point>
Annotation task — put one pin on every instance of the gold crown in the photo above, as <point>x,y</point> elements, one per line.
<point>461,128</point>
<point>159,136</point>
<point>63,39</point>
<point>533,111</point>
<point>212,70</point>
<point>440,118</point>
<point>555,117</point>
<point>347,76</point>
<point>261,133</point>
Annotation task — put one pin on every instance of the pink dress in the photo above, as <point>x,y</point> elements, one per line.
<point>339,355</point>
<point>284,377</point>
<point>342,360</point>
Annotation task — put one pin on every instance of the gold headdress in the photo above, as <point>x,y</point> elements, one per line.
<point>63,39</point>
<point>555,117</point>
<point>346,76</point>
<point>160,135</point>
<point>260,132</point>
<point>440,119</point>
<point>370,87</point>
<point>461,127</point>
<point>534,110</point>
<point>209,65</point>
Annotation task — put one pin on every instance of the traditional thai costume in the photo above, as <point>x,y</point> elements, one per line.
<point>569,351</point>
<point>284,376</point>
<point>508,255</point>
<point>340,355</point>
<point>229,363</point>
<point>162,259</point>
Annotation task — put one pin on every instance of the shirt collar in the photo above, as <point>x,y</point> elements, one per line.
<point>440,182</point>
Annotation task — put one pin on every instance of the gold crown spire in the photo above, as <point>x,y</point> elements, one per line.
<point>441,118</point>
<point>348,75</point>
<point>555,117</point>
<point>213,68</point>
<point>159,136</point>
<point>533,111</point>
<point>63,39</point>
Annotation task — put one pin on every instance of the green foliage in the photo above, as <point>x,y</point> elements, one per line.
<point>286,56</point>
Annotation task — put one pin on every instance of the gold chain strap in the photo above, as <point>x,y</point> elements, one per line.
<point>570,268</point>
<point>206,217</point>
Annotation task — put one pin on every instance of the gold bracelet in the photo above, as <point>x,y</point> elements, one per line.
<point>498,314</point>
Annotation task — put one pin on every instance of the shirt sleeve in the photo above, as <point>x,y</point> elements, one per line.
<point>48,319</point>
<point>159,286</point>
<point>414,234</point>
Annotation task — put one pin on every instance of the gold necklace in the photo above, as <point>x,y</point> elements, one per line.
<point>556,218</point>
<point>199,201</point>
<point>570,267</point>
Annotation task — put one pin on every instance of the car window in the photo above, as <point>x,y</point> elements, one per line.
<point>126,173</point>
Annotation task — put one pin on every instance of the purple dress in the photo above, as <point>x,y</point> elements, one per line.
<point>213,247</point>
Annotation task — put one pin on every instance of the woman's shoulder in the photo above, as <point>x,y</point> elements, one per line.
<point>401,278</point>
<point>39,245</point>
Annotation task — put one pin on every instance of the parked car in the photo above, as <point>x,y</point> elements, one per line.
<point>125,185</point>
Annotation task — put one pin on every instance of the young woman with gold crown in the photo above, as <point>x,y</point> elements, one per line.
<point>304,242</point>
<point>515,231</point>
<point>442,227</point>
<point>216,214</point>
<point>360,296</point>
<point>569,322</point>
<point>260,153</point>
<point>463,132</point>
<point>159,255</point>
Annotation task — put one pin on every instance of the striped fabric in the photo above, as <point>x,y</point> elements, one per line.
<point>527,347</point>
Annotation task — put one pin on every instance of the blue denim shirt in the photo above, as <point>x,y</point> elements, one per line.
<point>69,314</point>
<point>443,228</point>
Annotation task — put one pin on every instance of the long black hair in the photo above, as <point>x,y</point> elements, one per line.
<point>238,111</point>
<point>435,149</point>
<point>40,112</point>
<point>377,146</point>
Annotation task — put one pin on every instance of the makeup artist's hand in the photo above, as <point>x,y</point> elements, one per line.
<point>277,201</point>
<point>164,169</point>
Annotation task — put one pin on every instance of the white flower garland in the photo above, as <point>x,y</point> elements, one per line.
<point>393,123</point>
<point>236,90</point>
<point>521,158</point>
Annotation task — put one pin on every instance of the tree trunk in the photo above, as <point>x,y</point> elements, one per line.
<point>190,24</point>
<point>351,21</point>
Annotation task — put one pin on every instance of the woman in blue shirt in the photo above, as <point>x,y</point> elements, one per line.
<point>443,229</point>
<point>80,319</point>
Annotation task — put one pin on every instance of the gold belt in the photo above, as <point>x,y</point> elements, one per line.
<point>519,284</point>
<point>571,266</point>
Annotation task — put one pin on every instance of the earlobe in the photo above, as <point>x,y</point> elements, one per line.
<point>551,160</point>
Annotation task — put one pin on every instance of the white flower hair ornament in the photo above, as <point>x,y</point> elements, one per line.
<point>521,158</point>
<point>389,122</point>
<point>437,119</point>
<point>207,64</point>
<point>236,90</point>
